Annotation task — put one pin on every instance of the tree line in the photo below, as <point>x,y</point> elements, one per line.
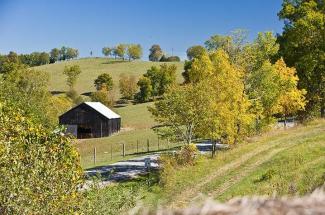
<point>232,89</point>
<point>37,58</point>
<point>124,51</point>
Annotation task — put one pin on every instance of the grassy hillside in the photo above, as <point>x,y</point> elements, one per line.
<point>92,67</point>
<point>281,162</point>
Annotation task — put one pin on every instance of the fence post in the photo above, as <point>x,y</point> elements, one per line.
<point>123,149</point>
<point>111,152</point>
<point>137,146</point>
<point>94,155</point>
<point>148,149</point>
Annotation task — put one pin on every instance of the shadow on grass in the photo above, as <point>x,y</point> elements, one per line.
<point>115,61</point>
<point>86,93</point>
<point>56,92</point>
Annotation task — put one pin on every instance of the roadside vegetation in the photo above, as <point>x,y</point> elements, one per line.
<point>278,163</point>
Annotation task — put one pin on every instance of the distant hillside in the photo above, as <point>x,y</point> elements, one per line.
<point>92,67</point>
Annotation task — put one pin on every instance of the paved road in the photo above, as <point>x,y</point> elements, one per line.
<point>120,171</point>
<point>128,169</point>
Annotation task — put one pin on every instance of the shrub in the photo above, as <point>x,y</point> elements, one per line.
<point>40,169</point>
<point>74,96</point>
<point>186,155</point>
<point>128,86</point>
<point>104,81</point>
<point>170,162</point>
<point>103,97</point>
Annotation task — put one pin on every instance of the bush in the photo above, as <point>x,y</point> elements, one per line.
<point>74,96</point>
<point>186,156</point>
<point>170,162</point>
<point>103,97</point>
<point>128,86</point>
<point>170,59</point>
<point>40,169</point>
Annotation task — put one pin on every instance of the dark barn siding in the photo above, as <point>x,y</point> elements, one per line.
<point>88,118</point>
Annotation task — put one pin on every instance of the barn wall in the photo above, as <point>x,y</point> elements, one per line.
<point>85,116</point>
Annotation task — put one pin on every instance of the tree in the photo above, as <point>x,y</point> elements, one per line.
<point>214,106</point>
<point>134,51</point>
<point>44,58</point>
<point>128,86</point>
<point>161,78</point>
<point>179,112</point>
<point>54,55</point>
<point>40,168</point>
<point>107,51</point>
<point>195,52</point>
<point>27,89</point>
<point>63,53</point>
<point>291,98</point>
<point>227,116</point>
<point>187,68</point>
<point>155,53</point>
<point>104,81</point>
<point>165,58</point>
<point>72,73</point>
<point>232,44</point>
<point>71,53</point>
<point>302,46</point>
<point>102,96</point>
<point>120,50</point>
<point>145,92</point>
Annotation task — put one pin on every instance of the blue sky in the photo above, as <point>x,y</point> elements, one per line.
<point>35,25</point>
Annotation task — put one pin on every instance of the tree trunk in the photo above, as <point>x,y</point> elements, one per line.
<point>285,122</point>
<point>322,111</point>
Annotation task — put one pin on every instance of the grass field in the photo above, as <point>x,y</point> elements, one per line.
<point>92,67</point>
<point>281,162</point>
<point>136,120</point>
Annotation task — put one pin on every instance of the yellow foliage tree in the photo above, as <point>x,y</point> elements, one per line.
<point>291,98</point>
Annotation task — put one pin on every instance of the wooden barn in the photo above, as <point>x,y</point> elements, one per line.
<point>91,120</point>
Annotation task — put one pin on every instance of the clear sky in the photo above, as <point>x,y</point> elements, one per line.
<point>40,25</point>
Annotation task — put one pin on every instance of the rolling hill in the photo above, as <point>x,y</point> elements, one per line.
<point>92,67</point>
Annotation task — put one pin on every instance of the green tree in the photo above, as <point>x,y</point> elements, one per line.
<point>161,78</point>
<point>72,73</point>
<point>40,169</point>
<point>232,44</point>
<point>63,53</point>
<point>179,112</point>
<point>134,51</point>
<point>27,89</point>
<point>145,92</point>
<point>107,51</point>
<point>104,81</point>
<point>195,52</point>
<point>128,86</point>
<point>54,55</point>
<point>155,53</point>
<point>44,58</point>
<point>120,50</point>
<point>72,53</point>
<point>302,45</point>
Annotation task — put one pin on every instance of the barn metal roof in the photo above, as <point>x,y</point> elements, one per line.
<point>105,111</point>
